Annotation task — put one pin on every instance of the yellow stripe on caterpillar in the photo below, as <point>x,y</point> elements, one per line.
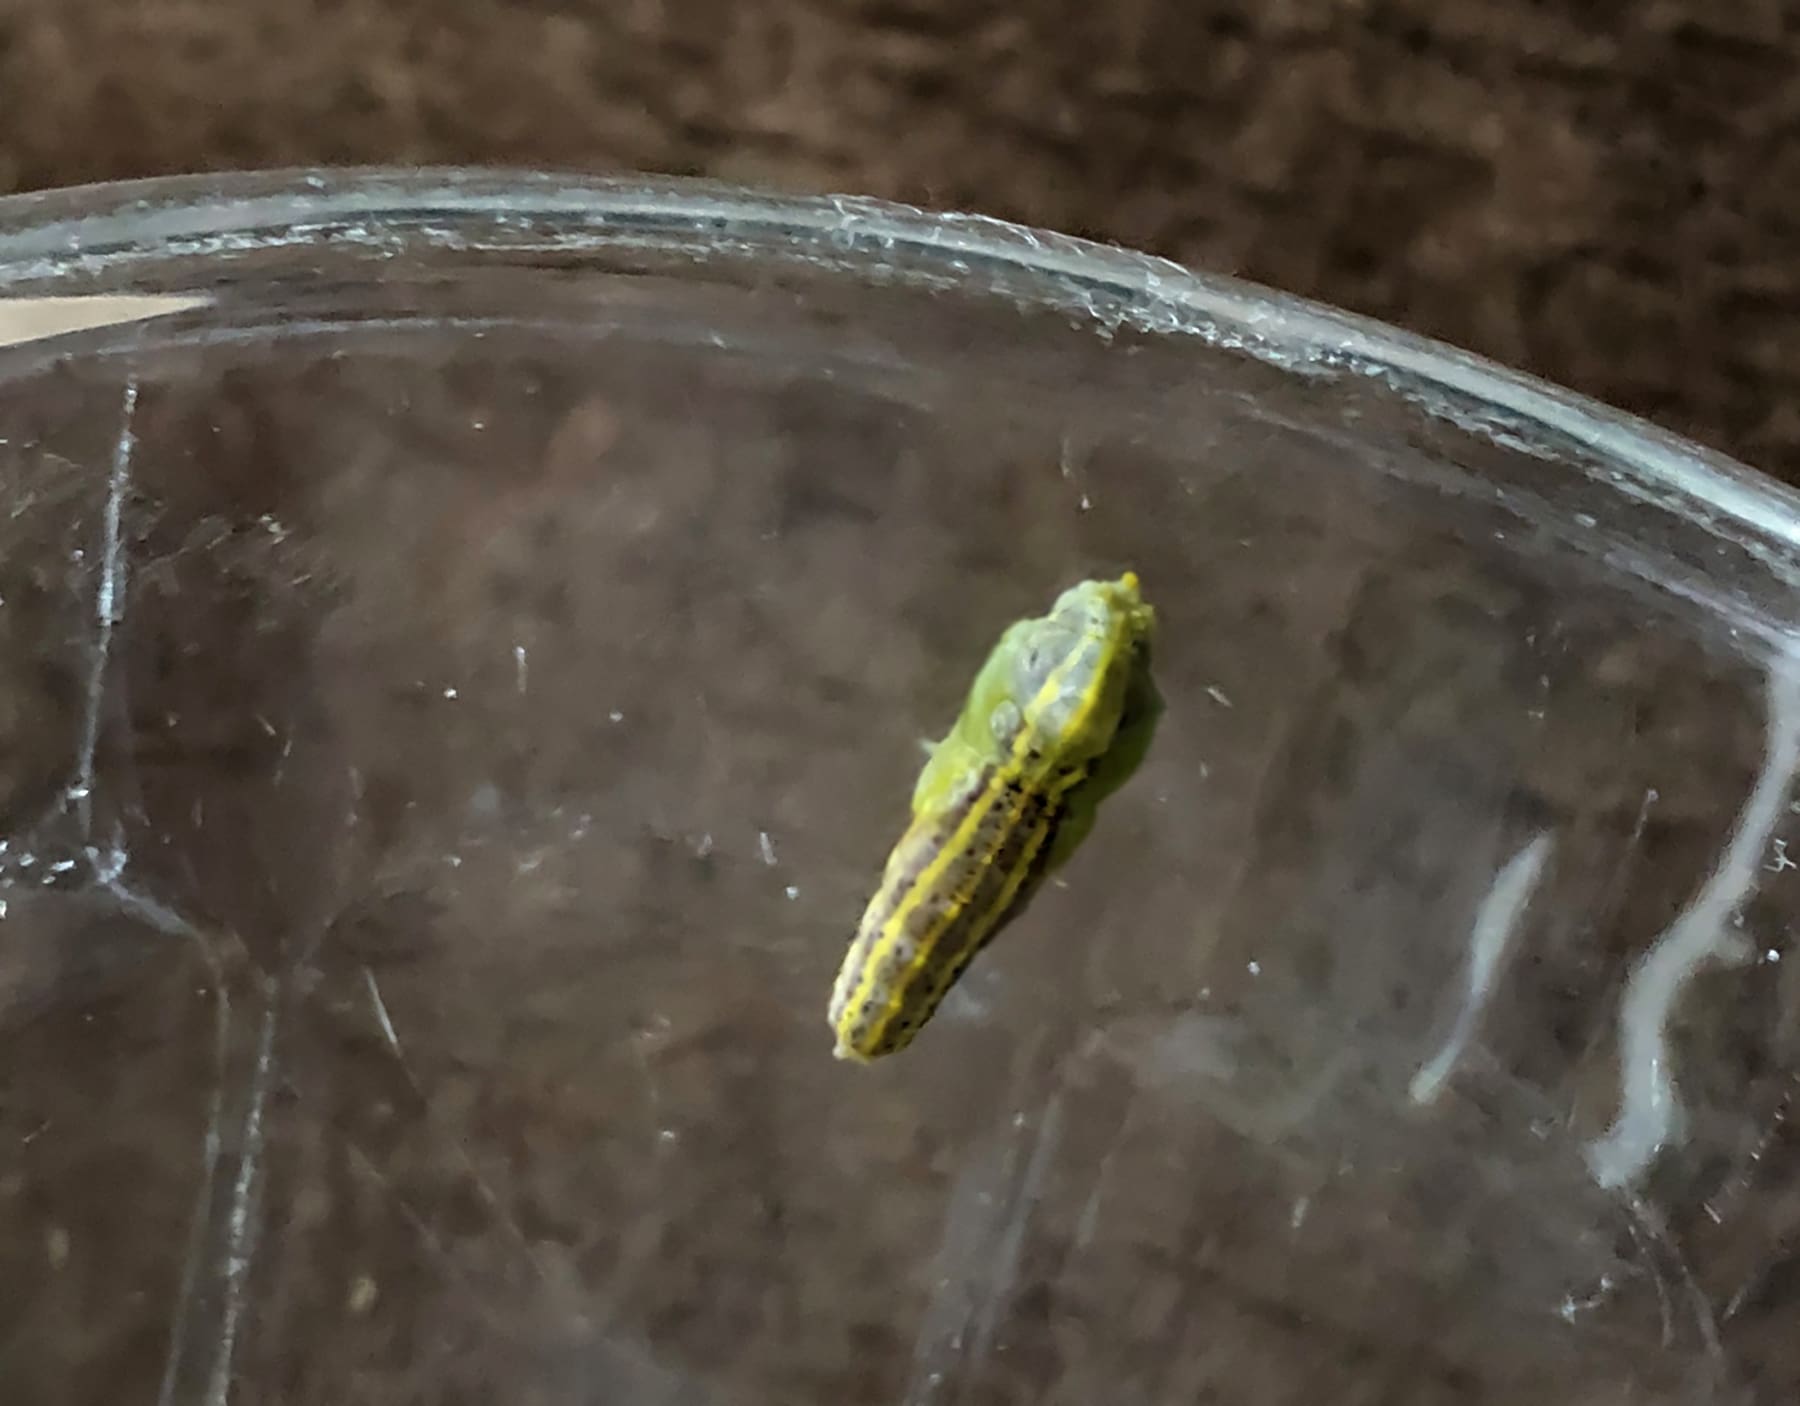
<point>1058,717</point>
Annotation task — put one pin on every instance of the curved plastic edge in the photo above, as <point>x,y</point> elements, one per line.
<point>97,237</point>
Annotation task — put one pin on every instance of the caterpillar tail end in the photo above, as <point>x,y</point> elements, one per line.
<point>848,1053</point>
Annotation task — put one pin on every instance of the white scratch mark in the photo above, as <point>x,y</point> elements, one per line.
<point>381,1014</point>
<point>1572,1306</point>
<point>203,1196</point>
<point>108,607</point>
<point>1496,922</point>
<point>109,868</point>
<point>107,865</point>
<point>521,668</point>
<point>1217,694</point>
<point>1658,1247</point>
<point>1648,1105</point>
<point>160,916</point>
<point>241,1229</point>
<point>461,1153</point>
<point>765,847</point>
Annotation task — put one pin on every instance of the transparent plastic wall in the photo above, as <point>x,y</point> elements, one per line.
<point>465,642</point>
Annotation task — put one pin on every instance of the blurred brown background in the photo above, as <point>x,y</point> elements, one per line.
<point>1604,193</point>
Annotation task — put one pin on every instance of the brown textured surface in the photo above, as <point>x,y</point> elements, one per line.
<point>1599,192</point>
<point>489,1064</point>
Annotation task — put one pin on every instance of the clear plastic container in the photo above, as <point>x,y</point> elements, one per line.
<point>466,642</point>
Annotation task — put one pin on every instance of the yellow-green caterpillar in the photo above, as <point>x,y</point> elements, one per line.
<point>1060,715</point>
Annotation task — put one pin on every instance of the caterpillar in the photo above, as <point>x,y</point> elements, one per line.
<point>1057,719</point>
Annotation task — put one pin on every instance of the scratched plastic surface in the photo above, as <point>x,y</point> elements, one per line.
<point>458,687</point>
